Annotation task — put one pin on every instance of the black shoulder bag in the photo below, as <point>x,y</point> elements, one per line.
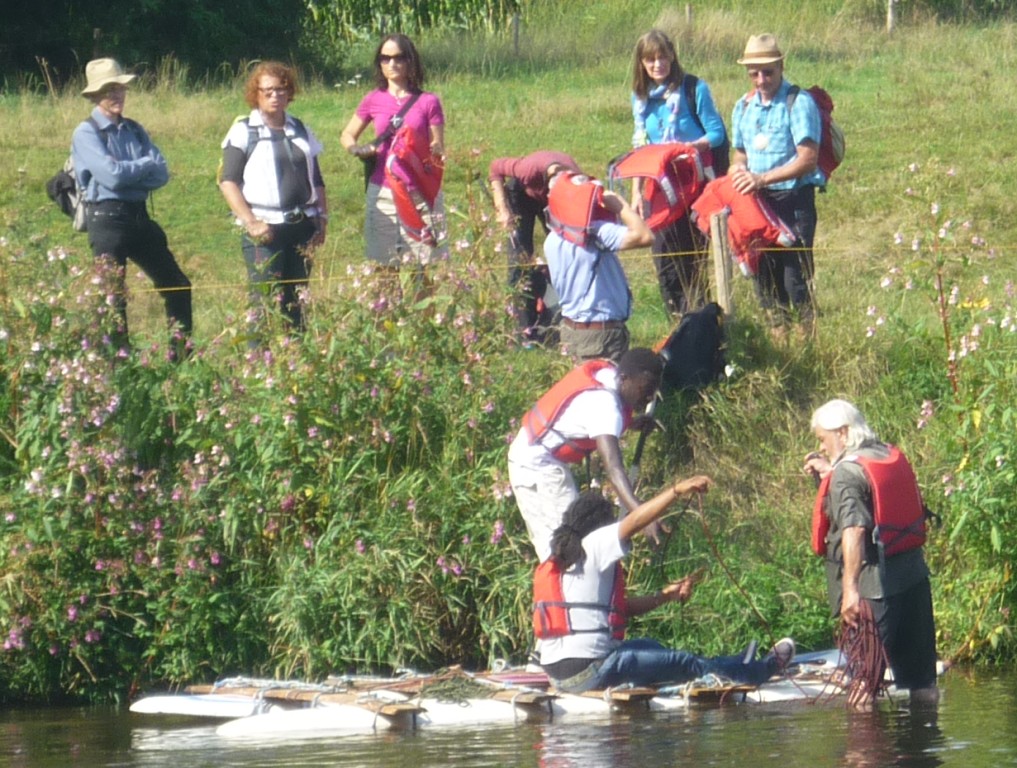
<point>371,162</point>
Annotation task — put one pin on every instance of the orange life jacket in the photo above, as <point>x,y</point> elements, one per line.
<point>673,177</point>
<point>574,202</point>
<point>899,512</point>
<point>540,419</point>
<point>752,225</point>
<point>413,173</point>
<point>551,616</point>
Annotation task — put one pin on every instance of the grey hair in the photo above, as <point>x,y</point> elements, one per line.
<point>840,413</point>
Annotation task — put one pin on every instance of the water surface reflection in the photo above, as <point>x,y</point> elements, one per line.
<point>973,728</point>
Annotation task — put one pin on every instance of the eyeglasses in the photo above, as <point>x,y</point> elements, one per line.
<point>113,90</point>
<point>399,58</point>
<point>754,73</point>
<point>275,91</point>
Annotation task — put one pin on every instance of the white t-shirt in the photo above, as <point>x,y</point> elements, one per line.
<point>590,414</point>
<point>591,582</point>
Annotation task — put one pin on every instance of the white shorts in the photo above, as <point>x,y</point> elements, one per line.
<point>543,496</point>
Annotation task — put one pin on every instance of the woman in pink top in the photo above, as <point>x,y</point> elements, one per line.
<point>398,77</point>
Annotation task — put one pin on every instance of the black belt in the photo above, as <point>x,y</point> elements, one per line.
<point>131,205</point>
<point>592,325</point>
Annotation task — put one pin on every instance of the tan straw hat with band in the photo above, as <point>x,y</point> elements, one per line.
<point>103,72</point>
<point>761,49</point>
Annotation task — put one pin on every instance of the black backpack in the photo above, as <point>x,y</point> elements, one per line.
<point>63,189</point>
<point>721,154</point>
<point>693,354</point>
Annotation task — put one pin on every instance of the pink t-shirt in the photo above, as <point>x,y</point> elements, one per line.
<point>379,107</point>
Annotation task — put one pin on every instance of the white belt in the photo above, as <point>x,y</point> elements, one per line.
<point>277,216</point>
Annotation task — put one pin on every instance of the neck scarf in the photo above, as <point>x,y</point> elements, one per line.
<point>641,107</point>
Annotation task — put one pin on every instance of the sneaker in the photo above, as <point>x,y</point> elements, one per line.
<point>782,655</point>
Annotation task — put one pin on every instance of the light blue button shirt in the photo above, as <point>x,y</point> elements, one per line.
<point>769,134</point>
<point>589,280</point>
<point>120,164</point>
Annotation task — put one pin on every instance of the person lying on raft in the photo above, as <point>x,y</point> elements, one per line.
<point>580,606</point>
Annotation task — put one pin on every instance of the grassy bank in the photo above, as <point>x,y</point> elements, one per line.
<point>339,502</point>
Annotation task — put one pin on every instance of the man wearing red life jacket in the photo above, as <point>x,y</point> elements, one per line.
<point>580,606</point>
<point>589,226</point>
<point>586,411</point>
<point>869,523</point>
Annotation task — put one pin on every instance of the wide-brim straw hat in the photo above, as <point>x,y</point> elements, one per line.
<point>102,72</point>
<point>761,49</point>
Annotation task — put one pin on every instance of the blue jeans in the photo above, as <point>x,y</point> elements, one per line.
<point>645,662</point>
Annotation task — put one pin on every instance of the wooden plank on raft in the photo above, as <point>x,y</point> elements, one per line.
<point>718,693</point>
<point>623,695</point>
<point>523,698</point>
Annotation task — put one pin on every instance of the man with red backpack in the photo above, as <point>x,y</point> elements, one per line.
<point>776,138</point>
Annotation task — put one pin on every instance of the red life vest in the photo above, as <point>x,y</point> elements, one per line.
<point>898,509</point>
<point>752,225</point>
<point>673,177</point>
<point>551,616</point>
<point>540,419</point>
<point>574,202</point>
<point>413,173</point>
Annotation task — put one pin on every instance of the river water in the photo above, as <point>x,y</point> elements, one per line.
<point>975,726</point>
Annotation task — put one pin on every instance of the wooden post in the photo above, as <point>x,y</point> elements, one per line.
<point>889,16</point>
<point>721,262</point>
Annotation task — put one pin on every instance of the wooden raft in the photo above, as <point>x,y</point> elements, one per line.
<point>304,696</point>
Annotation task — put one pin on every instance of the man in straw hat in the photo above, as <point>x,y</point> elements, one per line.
<point>776,152</point>
<point>118,166</point>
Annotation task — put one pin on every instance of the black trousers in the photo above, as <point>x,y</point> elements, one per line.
<point>529,280</point>
<point>680,256</point>
<point>123,232</point>
<point>784,279</point>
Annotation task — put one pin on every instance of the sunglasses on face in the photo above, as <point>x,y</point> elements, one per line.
<point>398,58</point>
<point>274,91</point>
<point>754,73</point>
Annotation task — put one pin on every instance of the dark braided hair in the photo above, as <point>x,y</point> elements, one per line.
<point>586,514</point>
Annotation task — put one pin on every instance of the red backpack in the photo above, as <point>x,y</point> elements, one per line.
<point>574,202</point>
<point>831,142</point>
<point>673,177</point>
<point>831,145</point>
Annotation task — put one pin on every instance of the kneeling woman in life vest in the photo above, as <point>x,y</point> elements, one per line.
<point>580,605</point>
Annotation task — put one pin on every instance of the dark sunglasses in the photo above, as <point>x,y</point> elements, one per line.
<point>399,58</point>
<point>763,72</point>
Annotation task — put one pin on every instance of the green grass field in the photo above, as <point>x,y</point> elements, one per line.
<point>926,112</point>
